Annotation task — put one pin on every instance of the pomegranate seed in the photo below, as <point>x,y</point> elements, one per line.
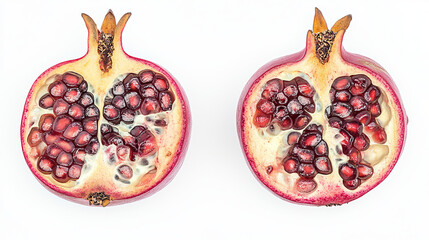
<point>341,110</point>
<point>46,101</point>
<point>60,173</point>
<point>65,144</point>
<point>306,185</point>
<point>372,127</point>
<point>114,138</point>
<point>76,111</point>
<point>65,159</point>
<point>321,149</point>
<point>57,89</point>
<point>281,98</point>
<point>79,156</point>
<point>266,106</point>
<point>361,142</point>
<point>118,102</point>
<point>149,91</point>
<point>92,111</point>
<point>147,146</point>
<point>111,113</point>
<point>125,171</point>
<point>323,165</point>
<point>74,171</point>
<point>290,89</point>
<point>93,146</point>
<point>61,123</point>
<point>90,125</point>
<point>360,83</point>
<point>72,79</point>
<point>355,156</point>
<point>34,137</point>
<point>132,100</point>
<point>332,93</point>
<point>123,152</point>
<point>310,139</point>
<point>160,83</point>
<point>280,113</point>
<point>72,95</point>
<point>314,128</point>
<point>137,130</point>
<point>375,109</point>
<point>292,138</point>
<point>304,87</point>
<point>271,88</point>
<point>73,130</point>
<point>45,165</point>
<point>307,170</point>
<point>358,103</point>
<point>335,122</point>
<point>348,171</point>
<point>127,116</point>
<point>379,136</point>
<point>149,106</point>
<point>372,94</point>
<point>347,142</point>
<point>146,76</point>
<point>106,128</point>
<point>86,99</point>
<point>342,83</point>
<point>294,107</point>
<point>82,139</point>
<point>352,184</point>
<point>132,83</point>
<point>304,155</point>
<point>51,137</point>
<point>118,89</point>
<point>364,117</point>
<point>343,96</point>
<point>304,100</point>
<point>261,120</point>
<point>166,100</point>
<point>53,151</point>
<point>60,107</point>
<point>354,127</point>
<point>301,121</point>
<point>83,87</point>
<point>286,123</point>
<point>290,165</point>
<point>365,171</point>
<point>160,123</point>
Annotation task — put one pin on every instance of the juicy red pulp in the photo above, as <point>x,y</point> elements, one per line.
<point>70,131</point>
<point>354,108</point>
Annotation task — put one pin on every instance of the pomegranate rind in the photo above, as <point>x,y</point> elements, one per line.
<point>334,194</point>
<point>150,184</point>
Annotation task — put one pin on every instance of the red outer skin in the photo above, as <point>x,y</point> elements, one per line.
<point>355,60</point>
<point>171,172</point>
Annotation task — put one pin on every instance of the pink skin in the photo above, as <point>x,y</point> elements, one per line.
<point>355,60</point>
<point>177,160</point>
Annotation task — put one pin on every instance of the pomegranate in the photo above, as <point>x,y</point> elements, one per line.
<point>105,128</point>
<point>322,126</point>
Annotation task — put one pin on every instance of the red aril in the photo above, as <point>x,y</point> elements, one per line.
<point>346,122</point>
<point>107,128</point>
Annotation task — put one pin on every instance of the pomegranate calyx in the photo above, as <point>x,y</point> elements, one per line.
<point>99,198</point>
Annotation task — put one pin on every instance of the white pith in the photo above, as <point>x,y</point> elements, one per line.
<point>97,174</point>
<point>266,149</point>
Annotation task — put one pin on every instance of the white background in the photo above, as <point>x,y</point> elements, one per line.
<point>212,48</point>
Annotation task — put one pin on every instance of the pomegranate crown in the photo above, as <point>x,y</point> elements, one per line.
<point>324,37</point>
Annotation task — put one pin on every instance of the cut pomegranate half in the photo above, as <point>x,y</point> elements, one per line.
<point>108,127</point>
<point>340,122</point>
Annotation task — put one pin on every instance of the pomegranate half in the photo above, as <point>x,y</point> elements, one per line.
<point>322,126</point>
<point>107,127</point>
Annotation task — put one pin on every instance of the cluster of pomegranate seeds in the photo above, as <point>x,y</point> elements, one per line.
<point>70,132</point>
<point>308,156</point>
<point>144,93</point>
<point>141,142</point>
<point>354,107</point>
<point>285,103</point>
